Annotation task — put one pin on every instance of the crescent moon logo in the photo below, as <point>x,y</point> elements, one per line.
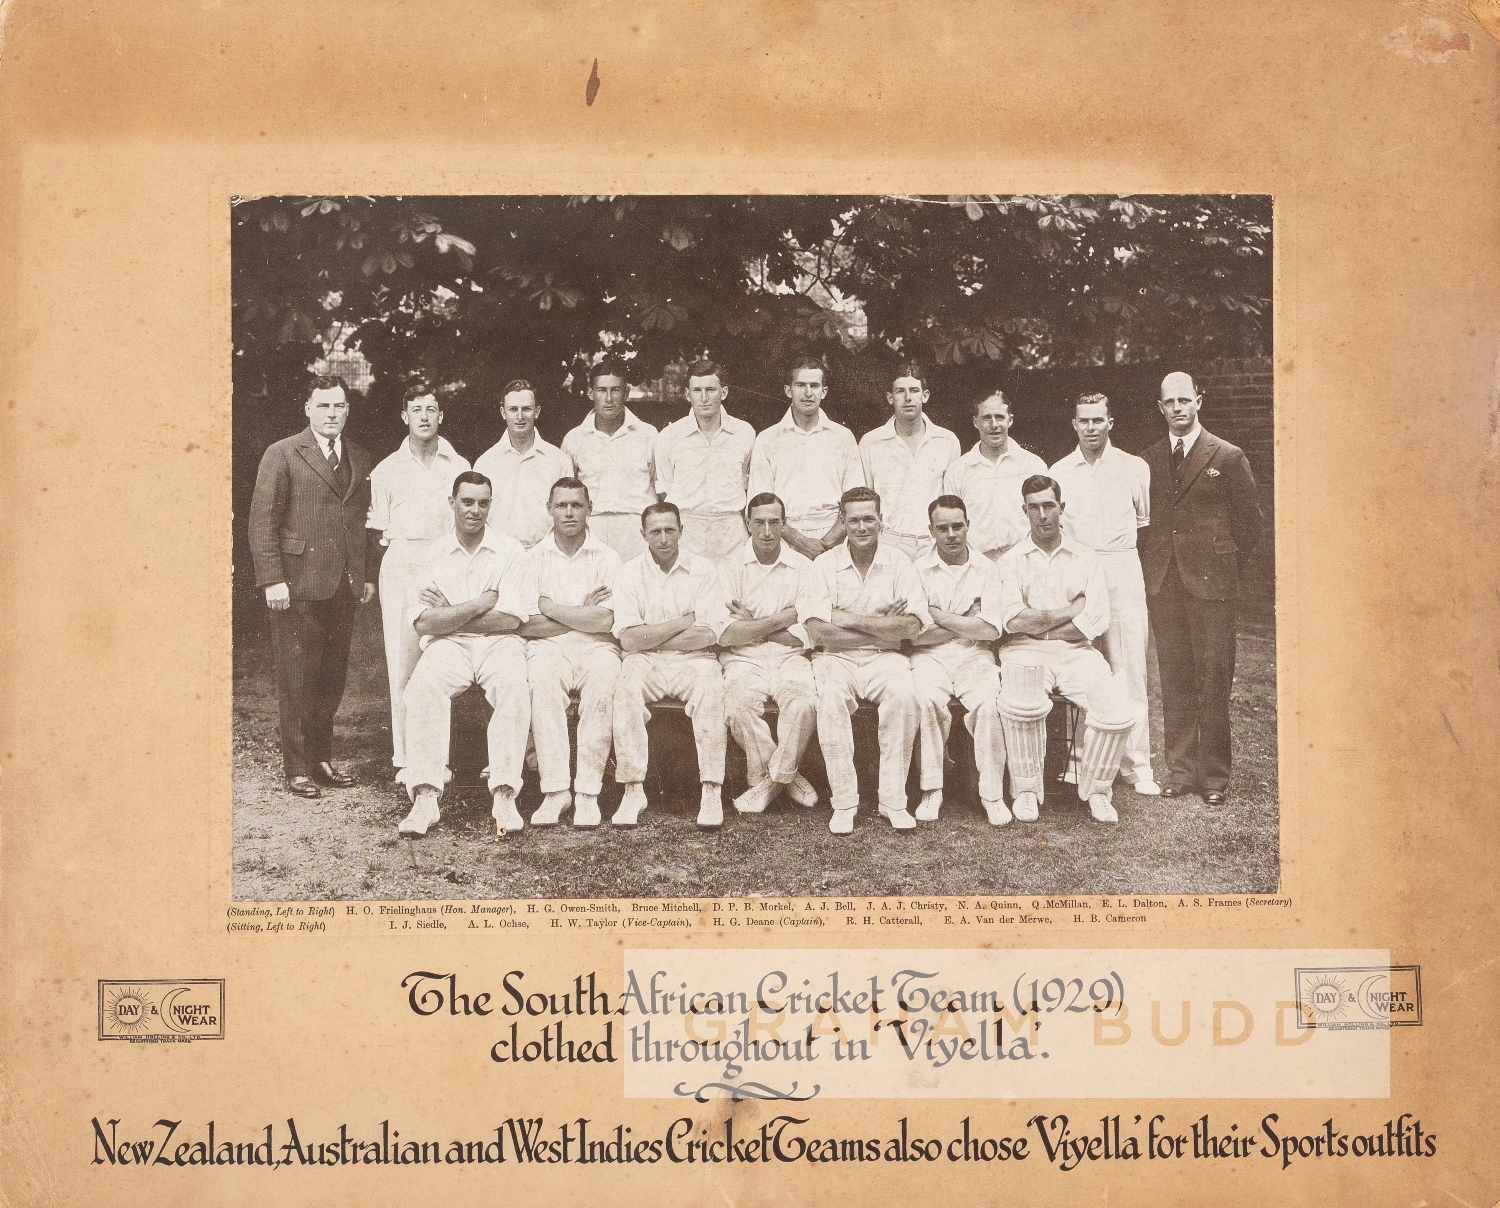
<point>1367,988</point>
<point>166,1008</point>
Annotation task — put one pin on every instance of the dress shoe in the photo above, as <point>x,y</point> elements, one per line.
<point>551,808</point>
<point>632,802</point>
<point>1213,798</point>
<point>754,800</point>
<point>303,787</point>
<point>1171,790</point>
<point>1102,808</point>
<point>928,807</point>
<point>899,819</point>
<point>425,813</point>
<point>711,807</point>
<point>503,810</point>
<point>586,809</point>
<point>326,773</point>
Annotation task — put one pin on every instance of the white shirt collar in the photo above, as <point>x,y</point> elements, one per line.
<point>884,555</point>
<point>444,450</point>
<point>687,561</point>
<point>727,423</point>
<point>785,556</point>
<point>975,456</point>
<point>538,445</point>
<point>548,544</point>
<point>789,421</point>
<point>628,422</point>
<point>489,541</point>
<point>1188,441</point>
<point>1028,546</point>
<point>1076,457</point>
<point>933,560</point>
<point>325,444</point>
<point>887,430</point>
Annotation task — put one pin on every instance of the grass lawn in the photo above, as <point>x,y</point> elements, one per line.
<point>344,845</point>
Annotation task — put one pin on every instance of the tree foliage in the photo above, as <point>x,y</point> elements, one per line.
<point>472,291</point>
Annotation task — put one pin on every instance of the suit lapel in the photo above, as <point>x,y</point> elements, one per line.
<point>359,466</point>
<point>312,453</point>
<point>1198,457</point>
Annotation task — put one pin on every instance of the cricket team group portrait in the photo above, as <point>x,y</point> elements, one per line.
<point>806,589</point>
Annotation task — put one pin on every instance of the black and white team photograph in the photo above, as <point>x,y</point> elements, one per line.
<point>779,546</point>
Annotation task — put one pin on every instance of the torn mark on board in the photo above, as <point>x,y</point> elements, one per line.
<point>1451,734</point>
<point>1432,41</point>
<point>592,90</point>
<point>1487,13</point>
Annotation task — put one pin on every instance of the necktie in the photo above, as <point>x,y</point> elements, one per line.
<point>339,475</point>
<point>1176,459</point>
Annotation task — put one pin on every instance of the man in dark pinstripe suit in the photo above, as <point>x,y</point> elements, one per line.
<point>307,536</point>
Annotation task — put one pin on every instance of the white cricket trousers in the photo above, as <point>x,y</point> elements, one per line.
<point>1124,645</point>
<point>554,670</point>
<point>448,667</point>
<point>749,682</point>
<point>398,570</point>
<point>844,678</point>
<point>713,535</point>
<point>621,531</point>
<point>969,673</point>
<point>695,680</point>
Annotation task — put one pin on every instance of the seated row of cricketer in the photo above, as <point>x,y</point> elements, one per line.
<point>728,638</point>
<point>709,463</point>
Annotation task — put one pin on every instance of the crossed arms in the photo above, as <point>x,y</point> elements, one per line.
<point>439,618</point>
<point>1050,622</point>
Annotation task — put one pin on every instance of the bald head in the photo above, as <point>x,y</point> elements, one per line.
<point>1179,403</point>
<point>1178,384</point>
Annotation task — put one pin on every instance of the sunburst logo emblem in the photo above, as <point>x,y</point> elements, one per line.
<point>128,1009</point>
<point>1326,997</point>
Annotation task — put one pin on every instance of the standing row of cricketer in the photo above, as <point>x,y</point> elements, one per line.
<point>729,569</point>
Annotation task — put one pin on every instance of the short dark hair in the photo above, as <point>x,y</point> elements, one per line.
<point>763,500</point>
<point>517,384</point>
<point>807,361</point>
<point>910,367</point>
<point>998,395</point>
<point>327,381</point>
<point>608,367</point>
<point>473,477</point>
<point>1092,398</point>
<point>859,495</point>
<point>1038,483</point>
<point>947,501</point>
<point>707,368</point>
<point>416,390</point>
<point>659,509</point>
<point>569,484</point>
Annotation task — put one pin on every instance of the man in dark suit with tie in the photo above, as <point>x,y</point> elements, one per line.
<point>1205,513</point>
<point>307,536</point>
